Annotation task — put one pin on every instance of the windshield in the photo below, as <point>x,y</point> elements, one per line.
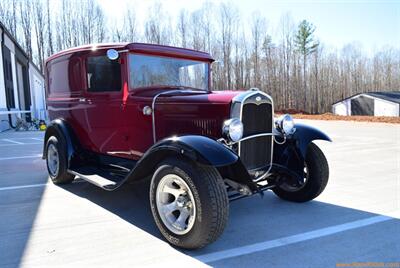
<point>151,71</point>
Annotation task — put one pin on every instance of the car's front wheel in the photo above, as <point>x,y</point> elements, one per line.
<point>189,203</point>
<point>316,175</point>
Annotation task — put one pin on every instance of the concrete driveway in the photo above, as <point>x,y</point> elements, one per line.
<point>354,222</point>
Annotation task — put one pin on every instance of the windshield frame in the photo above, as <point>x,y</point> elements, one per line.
<point>130,83</point>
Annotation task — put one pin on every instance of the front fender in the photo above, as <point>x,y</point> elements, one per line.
<point>305,134</point>
<point>289,156</point>
<point>199,149</point>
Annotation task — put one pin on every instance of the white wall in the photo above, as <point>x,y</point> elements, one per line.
<point>3,102</point>
<point>386,108</point>
<point>38,96</point>
<point>342,108</point>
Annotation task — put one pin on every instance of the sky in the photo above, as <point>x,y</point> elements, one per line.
<point>370,24</point>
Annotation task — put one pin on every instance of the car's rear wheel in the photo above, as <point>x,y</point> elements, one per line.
<point>56,161</point>
<point>316,175</point>
<point>189,203</point>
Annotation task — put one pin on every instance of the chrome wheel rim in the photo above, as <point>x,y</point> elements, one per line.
<point>53,163</point>
<point>175,204</point>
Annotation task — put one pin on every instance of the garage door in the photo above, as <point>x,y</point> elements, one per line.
<point>362,106</point>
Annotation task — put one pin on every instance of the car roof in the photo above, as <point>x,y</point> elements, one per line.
<point>153,49</point>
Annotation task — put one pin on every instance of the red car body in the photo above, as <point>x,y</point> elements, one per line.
<point>127,112</point>
<point>114,123</point>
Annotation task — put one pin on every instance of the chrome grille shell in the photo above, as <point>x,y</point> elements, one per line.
<point>251,107</point>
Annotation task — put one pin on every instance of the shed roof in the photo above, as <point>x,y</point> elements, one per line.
<point>392,96</point>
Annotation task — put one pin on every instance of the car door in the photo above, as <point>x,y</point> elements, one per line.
<point>139,111</point>
<point>104,104</point>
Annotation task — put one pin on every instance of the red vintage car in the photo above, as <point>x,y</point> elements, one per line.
<point>130,111</point>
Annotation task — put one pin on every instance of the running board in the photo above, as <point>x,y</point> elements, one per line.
<point>107,179</point>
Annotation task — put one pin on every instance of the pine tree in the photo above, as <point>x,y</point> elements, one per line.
<point>305,45</point>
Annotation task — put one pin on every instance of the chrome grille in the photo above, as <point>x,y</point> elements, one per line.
<point>257,117</point>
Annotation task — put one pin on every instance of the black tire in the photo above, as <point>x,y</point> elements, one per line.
<point>318,175</point>
<point>61,176</point>
<point>210,197</point>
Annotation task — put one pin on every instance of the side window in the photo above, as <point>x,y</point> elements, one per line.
<point>103,74</point>
<point>64,76</point>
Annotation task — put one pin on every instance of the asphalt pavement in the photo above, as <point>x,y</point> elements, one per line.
<point>354,222</point>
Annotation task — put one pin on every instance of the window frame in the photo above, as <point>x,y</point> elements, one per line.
<point>85,74</point>
<point>69,93</point>
<point>132,89</point>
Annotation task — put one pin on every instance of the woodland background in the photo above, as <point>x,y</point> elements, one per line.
<point>299,71</point>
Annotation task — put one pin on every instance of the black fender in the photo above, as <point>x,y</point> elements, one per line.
<point>199,149</point>
<point>305,134</point>
<point>291,154</point>
<point>61,129</point>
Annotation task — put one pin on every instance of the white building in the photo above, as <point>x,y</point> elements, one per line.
<point>22,91</point>
<point>371,103</point>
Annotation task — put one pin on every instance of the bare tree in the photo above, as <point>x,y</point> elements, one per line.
<point>50,48</point>
<point>156,30</point>
<point>39,27</point>
<point>258,30</point>
<point>25,10</point>
<point>182,27</point>
<point>298,74</point>
<point>130,25</point>
<point>8,15</point>
<point>228,17</point>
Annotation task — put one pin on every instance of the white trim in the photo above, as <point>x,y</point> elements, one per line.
<point>38,95</point>
<point>9,43</point>
<point>14,78</point>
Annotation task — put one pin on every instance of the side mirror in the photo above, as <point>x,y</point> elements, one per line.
<point>112,54</point>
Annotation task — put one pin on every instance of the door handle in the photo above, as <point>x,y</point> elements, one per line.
<point>147,110</point>
<point>82,100</point>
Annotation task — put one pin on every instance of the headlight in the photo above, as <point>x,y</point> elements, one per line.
<point>285,124</point>
<point>233,129</point>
